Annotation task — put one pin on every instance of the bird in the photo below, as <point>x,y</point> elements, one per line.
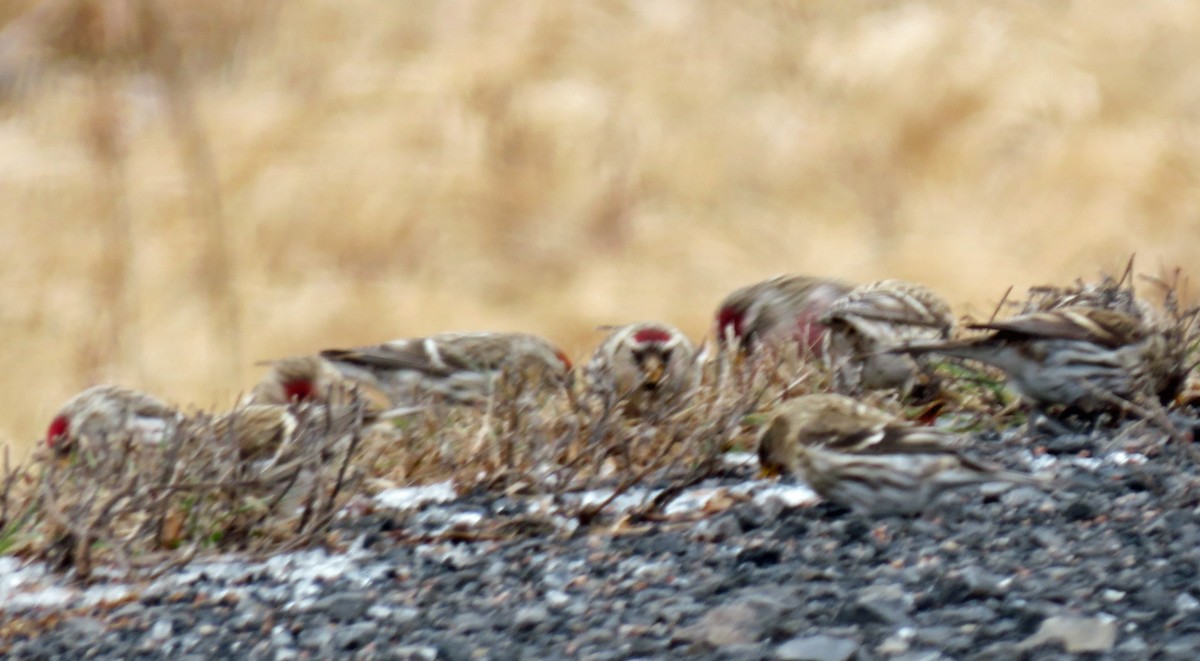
<point>782,310</point>
<point>1087,359</point>
<point>257,430</point>
<point>875,317</point>
<point>301,379</point>
<point>459,368</point>
<point>902,480</point>
<point>862,458</point>
<point>107,413</point>
<point>647,366</point>
<point>840,423</point>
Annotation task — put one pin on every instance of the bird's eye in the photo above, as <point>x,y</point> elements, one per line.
<point>639,357</point>
<point>666,355</point>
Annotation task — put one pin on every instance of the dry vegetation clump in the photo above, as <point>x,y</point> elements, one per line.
<point>148,506</point>
<point>1167,308</point>
<point>979,390</point>
<point>571,445</point>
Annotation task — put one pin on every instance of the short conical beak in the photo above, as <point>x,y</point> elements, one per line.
<point>653,369</point>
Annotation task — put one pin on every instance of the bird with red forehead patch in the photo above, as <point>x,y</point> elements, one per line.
<point>643,367</point>
<point>301,380</point>
<point>106,413</point>
<point>783,310</point>
<point>458,368</point>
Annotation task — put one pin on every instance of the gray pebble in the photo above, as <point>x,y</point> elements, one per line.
<point>817,648</point>
<point>530,617</point>
<point>343,607</point>
<point>354,636</point>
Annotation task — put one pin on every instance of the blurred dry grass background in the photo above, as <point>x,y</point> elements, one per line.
<point>391,169</point>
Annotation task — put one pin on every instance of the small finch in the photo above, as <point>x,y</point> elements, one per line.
<point>300,379</point>
<point>784,309</point>
<point>1085,358</point>
<point>257,430</point>
<point>646,366</point>
<point>905,480</point>
<point>108,413</point>
<point>842,424</point>
<point>462,368</point>
<point>260,431</point>
<point>873,318</point>
<point>864,459</point>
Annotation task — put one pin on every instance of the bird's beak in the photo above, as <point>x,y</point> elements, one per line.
<point>768,472</point>
<point>653,369</point>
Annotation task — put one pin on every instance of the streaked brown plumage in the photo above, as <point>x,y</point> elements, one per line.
<point>257,430</point>
<point>902,481</point>
<point>461,368</point>
<point>872,318</point>
<point>841,424</point>
<point>1086,358</point>
<point>867,460</point>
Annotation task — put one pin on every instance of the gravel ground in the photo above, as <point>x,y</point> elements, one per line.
<point>1105,567</point>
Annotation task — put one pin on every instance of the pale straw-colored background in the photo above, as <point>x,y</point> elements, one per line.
<point>385,169</point>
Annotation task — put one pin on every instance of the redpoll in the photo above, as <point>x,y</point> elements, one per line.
<point>260,430</point>
<point>257,430</point>
<point>864,459</point>
<point>647,366</point>
<point>460,367</point>
<point>841,424</point>
<point>781,310</point>
<point>876,317</point>
<point>1085,358</point>
<point>904,480</point>
<point>300,379</point>
<point>109,413</point>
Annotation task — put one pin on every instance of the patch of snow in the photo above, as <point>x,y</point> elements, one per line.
<point>406,498</point>
<point>693,500</point>
<point>1121,458</point>
<point>1040,463</point>
<point>31,586</point>
<point>792,495</point>
<point>465,520</point>
<point>736,459</point>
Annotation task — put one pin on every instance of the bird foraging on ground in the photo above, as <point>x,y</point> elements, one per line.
<point>866,459</point>
<point>646,367</point>
<point>841,424</point>
<point>865,323</point>
<point>783,310</point>
<point>303,380</point>
<point>257,430</point>
<point>900,480</point>
<point>1087,359</point>
<point>461,368</point>
<point>107,413</point>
